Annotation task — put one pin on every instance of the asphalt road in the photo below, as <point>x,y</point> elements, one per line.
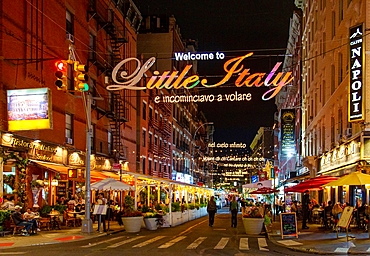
<point>192,238</point>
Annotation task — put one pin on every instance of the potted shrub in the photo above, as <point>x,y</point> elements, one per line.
<point>151,220</point>
<point>253,221</point>
<point>4,216</point>
<point>131,218</point>
<point>176,213</point>
<point>192,211</point>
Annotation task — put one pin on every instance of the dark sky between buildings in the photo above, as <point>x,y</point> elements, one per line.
<point>233,27</point>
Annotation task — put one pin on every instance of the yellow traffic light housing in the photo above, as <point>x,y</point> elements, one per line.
<point>61,74</point>
<point>80,77</point>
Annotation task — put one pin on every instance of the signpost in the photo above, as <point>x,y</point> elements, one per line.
<point>288,224</point>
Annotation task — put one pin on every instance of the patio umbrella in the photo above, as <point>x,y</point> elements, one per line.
<point>264,190</point>
<point>311,184</point>
<point>354,178</point>
<point>110,184</point>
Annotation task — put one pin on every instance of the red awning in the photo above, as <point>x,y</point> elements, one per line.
<point>311,184</point>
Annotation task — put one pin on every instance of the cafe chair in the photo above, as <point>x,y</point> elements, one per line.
<point>44,223</point>
<point>68,220</point>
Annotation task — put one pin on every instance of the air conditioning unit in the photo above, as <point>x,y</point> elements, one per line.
<point>70,37</point>
<point>93,102</point>
<point>69,141</point>
<point>348,132</point>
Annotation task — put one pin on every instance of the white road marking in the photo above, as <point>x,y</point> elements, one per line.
<point>125,242</point>
<point>341,250</point>
<point>172,242</point>
<point>101,242</point>
<point>196,243</point>
<point>289,242</point>
<point>149,241</point>
<point>368,250</point>
<point>222,243</point>
<point>262,243</point>
<point>243,244</point>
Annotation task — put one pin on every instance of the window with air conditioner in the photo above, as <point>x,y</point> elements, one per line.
<point>69,128</point>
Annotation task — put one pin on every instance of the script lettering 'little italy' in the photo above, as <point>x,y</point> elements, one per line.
<point>177,80</point>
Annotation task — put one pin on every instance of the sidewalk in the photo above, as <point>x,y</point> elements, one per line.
<point>54,236</point>
<point>320,241</point>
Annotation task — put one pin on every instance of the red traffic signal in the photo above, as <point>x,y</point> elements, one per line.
<point>61,74</point>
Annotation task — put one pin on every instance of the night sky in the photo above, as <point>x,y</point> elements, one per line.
<point>234,27</point>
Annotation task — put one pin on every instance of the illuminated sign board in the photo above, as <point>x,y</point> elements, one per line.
<point>355,101</point>
<point>287,132</point>
<point>29,109</point>
<point>177,80</point>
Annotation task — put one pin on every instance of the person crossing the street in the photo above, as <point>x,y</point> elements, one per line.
<point>234,212</point>
<point>211,209</point>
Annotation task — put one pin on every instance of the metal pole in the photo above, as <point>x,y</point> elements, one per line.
<point>87,222</point>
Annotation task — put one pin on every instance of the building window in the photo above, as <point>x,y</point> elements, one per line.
<point>110,145</point>
<point>69,128</point>
<point>92,47</point>
<point>150,167</point>
<point>340,10</point>
<point>69,23</point>
<point>144,110</point>
<point>150,138</point>
<point>144,137</point>
<point>340,68</point>
<point>333,24</point>
<point>150,112</point>
<point>143,165</point>
<point>340,122</point>
<point>332,131</point>
<point>332,79</point>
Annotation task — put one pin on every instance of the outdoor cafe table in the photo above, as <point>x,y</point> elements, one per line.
<point>54,224</point>
<point>75,215</point>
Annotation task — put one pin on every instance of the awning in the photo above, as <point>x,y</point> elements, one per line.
<point>94,175</point>
<point>311,184</point>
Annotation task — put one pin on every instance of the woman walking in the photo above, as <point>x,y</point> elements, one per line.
<point>211,209</point>
<point>234,212</point>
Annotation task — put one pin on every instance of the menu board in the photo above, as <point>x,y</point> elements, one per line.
<point>288,224</point>
<point>345,217</point>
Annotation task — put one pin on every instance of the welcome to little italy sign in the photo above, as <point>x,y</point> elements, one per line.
<point>178,80</point>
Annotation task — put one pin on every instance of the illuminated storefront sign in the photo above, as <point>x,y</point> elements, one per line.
<point>233,158</point>
<point>29,109</point>
<point>355,101</point>
<point>287,132</point>
<point>227,145</point>
<point>176,80</point>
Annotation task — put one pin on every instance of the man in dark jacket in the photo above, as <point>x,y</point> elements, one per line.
<point>305,209</point>
<point>211,209</point>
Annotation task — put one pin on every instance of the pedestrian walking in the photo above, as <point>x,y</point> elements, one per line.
<point>234,212</point>
<point>305,209</point>
<point>101,204</point>
<point>211,209</point>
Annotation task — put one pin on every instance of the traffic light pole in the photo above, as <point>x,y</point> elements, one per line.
<point>87,222</point>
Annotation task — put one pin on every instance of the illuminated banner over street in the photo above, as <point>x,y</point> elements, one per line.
<point>177,80</point>
<point>29,109</point>
<point>287,132</point>
<point>355,101</point>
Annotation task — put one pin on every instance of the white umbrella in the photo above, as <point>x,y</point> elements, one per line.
<point>110,184</point>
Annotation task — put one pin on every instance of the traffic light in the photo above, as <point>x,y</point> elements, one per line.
<point>81,78</point>
<point>61,75</point>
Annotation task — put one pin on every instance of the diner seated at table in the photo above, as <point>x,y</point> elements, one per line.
<point>20,221</point>
<point>328,221</point>
<point>31,216</point>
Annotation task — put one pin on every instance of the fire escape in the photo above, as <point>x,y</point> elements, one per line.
<point>114,107</point>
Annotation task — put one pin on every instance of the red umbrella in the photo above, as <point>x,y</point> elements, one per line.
<point>311,184</point>
<point>264,190</point>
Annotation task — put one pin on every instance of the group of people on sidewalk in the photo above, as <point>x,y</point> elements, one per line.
<point>234,209</point>
<point>27,220</point>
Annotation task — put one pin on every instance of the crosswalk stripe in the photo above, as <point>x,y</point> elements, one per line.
<point>125,242</point>
<point>172,242</point>
<point>341,250</point>
<point>243,244</point>
<point>196,243</point>
<point>222,243</point>
<point>262,243</point>
<point>101,242</point>
<point>149,241</point>
<point>368,250</point>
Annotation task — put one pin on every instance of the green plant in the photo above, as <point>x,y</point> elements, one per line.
<point>152,215</point>
<point>45,210</point>
<point>197,206</point>
<point>175,207</point>
<point>253,213</point>
<point>4,215</point>
<point>129,210</point>
<point>191,206</point>
<point>60,207</point>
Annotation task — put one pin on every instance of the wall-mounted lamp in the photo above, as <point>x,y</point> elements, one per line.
<point>54,182</point>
